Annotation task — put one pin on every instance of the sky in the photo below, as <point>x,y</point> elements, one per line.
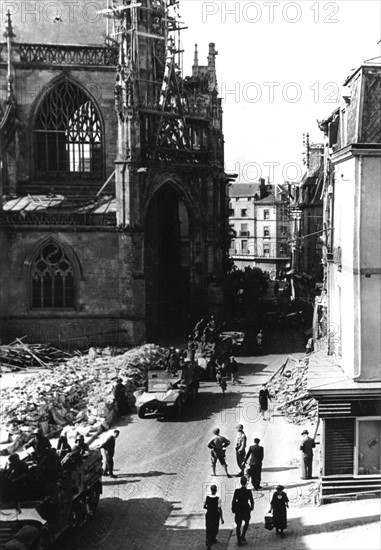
<point>280,67</point>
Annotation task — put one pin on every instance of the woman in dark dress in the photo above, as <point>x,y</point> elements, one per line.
<point>279,505</point>
<point>264,396</point>
<point>212,505</point>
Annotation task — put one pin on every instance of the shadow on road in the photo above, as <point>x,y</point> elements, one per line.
<point>148,474</point>
<point>279,469</point>
<point>298,528</point>
<point>141,524</point>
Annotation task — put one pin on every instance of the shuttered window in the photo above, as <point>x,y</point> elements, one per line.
<point>339,446</point>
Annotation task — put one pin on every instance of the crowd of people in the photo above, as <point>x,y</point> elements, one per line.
<point>42,469</point>
<point>249,461</point>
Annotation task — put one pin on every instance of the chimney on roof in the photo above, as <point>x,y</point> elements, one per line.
<point>262,188</point>
<point>316,156</point>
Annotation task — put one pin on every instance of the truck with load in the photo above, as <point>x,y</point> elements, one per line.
<point>37,509</point>
<point>168,392</point>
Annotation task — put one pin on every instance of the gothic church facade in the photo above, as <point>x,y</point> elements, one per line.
<point>113,221</point>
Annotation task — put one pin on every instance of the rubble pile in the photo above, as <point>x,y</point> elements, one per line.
<point>77,393</point>
<point>18,356</point>
<point>289,386</point>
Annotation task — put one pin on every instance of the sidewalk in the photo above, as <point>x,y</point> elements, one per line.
<point>350,525</point>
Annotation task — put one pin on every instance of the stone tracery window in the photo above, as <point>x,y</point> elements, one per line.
<point>53,279</point>
<point>68,133</point>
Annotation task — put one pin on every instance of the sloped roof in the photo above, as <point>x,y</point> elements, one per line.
<point>243,189</point>
<point>270,199</point>
<point>59,203</point>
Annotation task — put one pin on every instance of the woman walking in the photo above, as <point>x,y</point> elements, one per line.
<point>264,397</point>
<point>212,505</point>
<point>279,505</point>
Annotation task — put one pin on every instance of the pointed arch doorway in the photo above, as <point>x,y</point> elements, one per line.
<point>167,264</point>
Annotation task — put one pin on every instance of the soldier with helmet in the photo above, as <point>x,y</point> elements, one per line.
<point>40,444</point>
<point>16,475</point>
<point>240,448</point>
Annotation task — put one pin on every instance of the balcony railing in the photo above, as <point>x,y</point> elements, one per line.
<point>244,233</point>
<point>235,252</point>
<point>68,55</point>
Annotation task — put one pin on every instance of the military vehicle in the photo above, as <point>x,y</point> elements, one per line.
<point>37,513</point>
<point>237,341</point>
<point>167,392</point>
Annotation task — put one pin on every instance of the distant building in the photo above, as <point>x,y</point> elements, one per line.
<point>347,381</point>
<point>306,213</point>
<point>259,218</point>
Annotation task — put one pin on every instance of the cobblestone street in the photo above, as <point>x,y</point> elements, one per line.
<point>164,471</point>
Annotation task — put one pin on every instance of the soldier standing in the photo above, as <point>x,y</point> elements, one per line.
<point>240,448</point>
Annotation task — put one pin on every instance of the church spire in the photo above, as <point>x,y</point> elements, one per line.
<point>9,35</point>
<point>195,62</point>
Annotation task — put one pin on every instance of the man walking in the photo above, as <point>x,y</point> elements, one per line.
<point>108,451</point>
<point>242,506</point>
<point>307,455</point>
<point>218,445</point>
<point>255,453</point>
<point>213,516</point>
<point>240,448</point>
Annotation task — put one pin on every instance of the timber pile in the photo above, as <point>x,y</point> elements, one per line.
<point>290,388</point>
<point>19,355</point>
<point>78,392</point>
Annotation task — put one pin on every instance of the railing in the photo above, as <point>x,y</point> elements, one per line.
<point>68,55</point>
<point>244,233</point>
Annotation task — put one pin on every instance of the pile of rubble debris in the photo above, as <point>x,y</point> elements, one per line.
<point>289,385</point>
<point>19,356</point>
<point>79,392</point>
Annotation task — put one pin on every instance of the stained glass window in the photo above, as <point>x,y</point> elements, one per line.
<point>52,279</point>
<point>68,134</point>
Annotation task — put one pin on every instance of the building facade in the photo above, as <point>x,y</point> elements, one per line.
<point>346,377</point>
<point>306,213</point>
<point>113,223</point>
<point>259,218</point>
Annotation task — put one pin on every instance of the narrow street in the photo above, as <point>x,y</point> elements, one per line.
<point>164,471</point>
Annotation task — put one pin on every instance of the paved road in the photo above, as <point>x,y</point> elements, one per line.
<point>163,470</point>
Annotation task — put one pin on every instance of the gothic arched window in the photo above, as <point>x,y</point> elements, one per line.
<point>53,279</point>
<point>68,133</point>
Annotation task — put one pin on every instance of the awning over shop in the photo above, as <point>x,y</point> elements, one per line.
<point>327,378</point>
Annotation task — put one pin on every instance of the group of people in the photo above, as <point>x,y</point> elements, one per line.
<point>242,506</point>
<point>205,331</point>
<point>249,461</point>
<point>254,455</point>
<point>44,466</point>
<point>226,369</point>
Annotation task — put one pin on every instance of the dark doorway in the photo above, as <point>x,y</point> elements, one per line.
<point>167,264</point>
